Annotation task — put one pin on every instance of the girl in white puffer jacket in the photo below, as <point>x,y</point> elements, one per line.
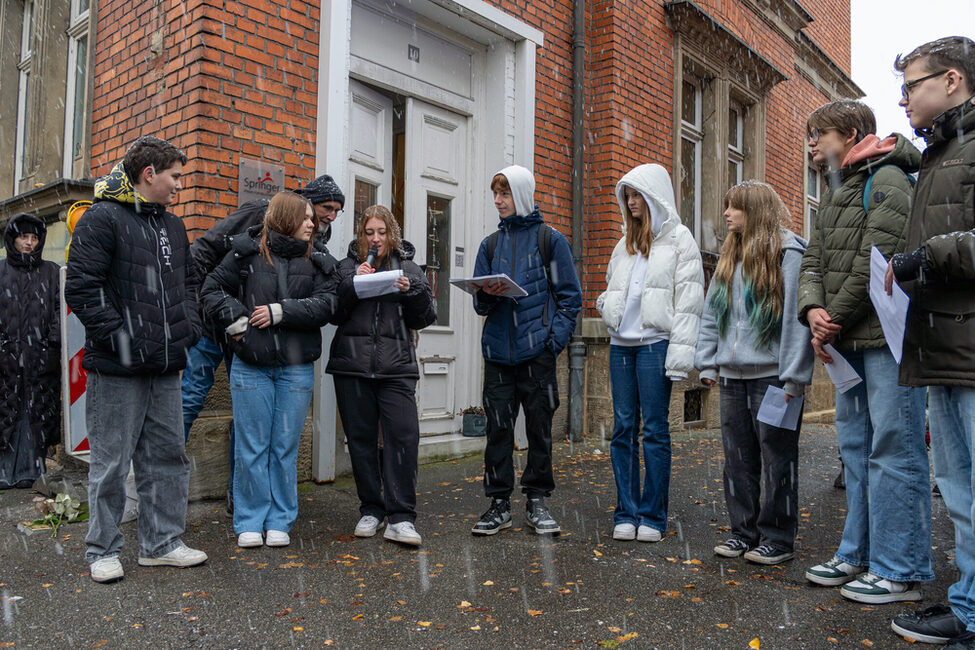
<point>652,308</point>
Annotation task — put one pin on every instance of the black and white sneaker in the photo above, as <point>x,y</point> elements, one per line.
<point>497,517</point>
<point>767,554</point>
<point>539,518</point>
<point>734,547</point>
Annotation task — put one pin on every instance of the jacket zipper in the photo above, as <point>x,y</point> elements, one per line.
<point>375,341</point>
<point>162,297</point>
<point>511,309</point>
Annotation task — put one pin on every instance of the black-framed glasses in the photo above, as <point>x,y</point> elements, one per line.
<point>908,86</point>
<point>815,134</point>
<point>336,211</point>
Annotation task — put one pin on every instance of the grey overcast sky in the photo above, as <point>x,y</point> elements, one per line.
<point>882,29</point>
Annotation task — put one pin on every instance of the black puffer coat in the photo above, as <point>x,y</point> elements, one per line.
<point>245,280</point>
<point>939,344</point>
<point>373,339</point>
<point>30,339</point>
<point>211,247</point>
<point>132,284</point>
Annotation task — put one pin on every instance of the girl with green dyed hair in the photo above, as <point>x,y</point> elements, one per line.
<point>750,340</point>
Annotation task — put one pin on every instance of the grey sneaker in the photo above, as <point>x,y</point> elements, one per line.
<point>539,519</point>
<point>403,532</point>
<point>875,590</point>
<point>734,547</point>
<point>107,569</point>
<point>497,517</point>
<point>181,556</point>
<point>833,573</point>
<point>768,554</point>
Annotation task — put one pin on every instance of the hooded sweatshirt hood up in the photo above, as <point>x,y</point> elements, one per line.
<point>522,184</point>
<point>653,182</point>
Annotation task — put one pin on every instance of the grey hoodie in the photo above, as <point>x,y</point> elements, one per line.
<point>737,355</point>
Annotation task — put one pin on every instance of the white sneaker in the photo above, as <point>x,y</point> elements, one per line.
<point>107,569</point>
<point>182,556</point>
<point>403,532</point>
<point>277,538</point>
<point>367,526</point>
<point>249,540</point>
<point>647,534</point>
<point>624,532</point>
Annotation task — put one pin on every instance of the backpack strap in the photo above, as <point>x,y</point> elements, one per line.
<point>492,243</point>
<point>868,186</point>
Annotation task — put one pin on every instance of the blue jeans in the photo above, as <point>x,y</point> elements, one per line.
<point>880,430</point>
<point>952,412</point>
<point>270,406</point>
<point>201,360</point>
<point>640,387</point>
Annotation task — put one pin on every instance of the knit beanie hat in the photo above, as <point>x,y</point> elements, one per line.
<point>323,189</point>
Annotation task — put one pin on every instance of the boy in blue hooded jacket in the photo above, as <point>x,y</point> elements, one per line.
<point>521,339</point>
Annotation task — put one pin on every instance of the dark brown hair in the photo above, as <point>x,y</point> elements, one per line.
<point>285,213</point>
<point>149,151</point>
<point>956,52</point>
<point>845,116</point>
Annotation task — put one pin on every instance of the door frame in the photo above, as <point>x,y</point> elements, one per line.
<point>508,43</point>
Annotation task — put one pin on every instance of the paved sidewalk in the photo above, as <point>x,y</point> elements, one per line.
<point>514,590</point>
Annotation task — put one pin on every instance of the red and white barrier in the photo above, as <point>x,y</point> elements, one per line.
<point>73,380</point>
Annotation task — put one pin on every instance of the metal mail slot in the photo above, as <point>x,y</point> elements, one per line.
<point>434,368</point>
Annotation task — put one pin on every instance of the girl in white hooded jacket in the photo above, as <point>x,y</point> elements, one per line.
<point>652,307</point>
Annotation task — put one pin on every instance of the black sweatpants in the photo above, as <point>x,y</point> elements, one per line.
<point>532,386</point>
<point>761,487</point>
<point>384,479</point>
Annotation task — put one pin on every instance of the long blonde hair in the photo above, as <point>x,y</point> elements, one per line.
<point>639,230</point>
<point>285,213</point>
<point>759,249</point>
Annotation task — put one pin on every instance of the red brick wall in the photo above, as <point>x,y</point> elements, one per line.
<point>239,78</point>
<point>233,79</point>
<point>629,102</point>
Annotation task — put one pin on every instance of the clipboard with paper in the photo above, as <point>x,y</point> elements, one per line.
<point>472,285</point>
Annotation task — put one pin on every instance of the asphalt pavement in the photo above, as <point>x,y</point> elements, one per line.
<point>512,590</point>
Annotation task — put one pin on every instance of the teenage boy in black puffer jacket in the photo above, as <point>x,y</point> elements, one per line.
<point>132,284</point>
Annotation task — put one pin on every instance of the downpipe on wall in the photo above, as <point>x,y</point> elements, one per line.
<point>577,348</point>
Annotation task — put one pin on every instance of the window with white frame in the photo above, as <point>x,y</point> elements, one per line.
<point>691,139</point>
<point>814,188</point>
<point>23,91</point>
<point>76,87</point>
<point>736,143</point>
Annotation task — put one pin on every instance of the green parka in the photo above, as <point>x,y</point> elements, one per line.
<point>939,344</point>
<point>835,270</point>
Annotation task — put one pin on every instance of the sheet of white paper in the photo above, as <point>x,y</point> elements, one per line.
<point>891,310</point>
<point>471,285</point>
<point>840,371</point>
<point>777,412</point>
<point>376,284</point>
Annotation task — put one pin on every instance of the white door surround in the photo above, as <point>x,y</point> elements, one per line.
<point>465,56</point>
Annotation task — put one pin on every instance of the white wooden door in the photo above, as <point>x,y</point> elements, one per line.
<point>436,213</point>
<point>370,155</point>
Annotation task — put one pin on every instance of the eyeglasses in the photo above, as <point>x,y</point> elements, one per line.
<point>330,210</point>
<point>908,86</point>
<point>815,134</point>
